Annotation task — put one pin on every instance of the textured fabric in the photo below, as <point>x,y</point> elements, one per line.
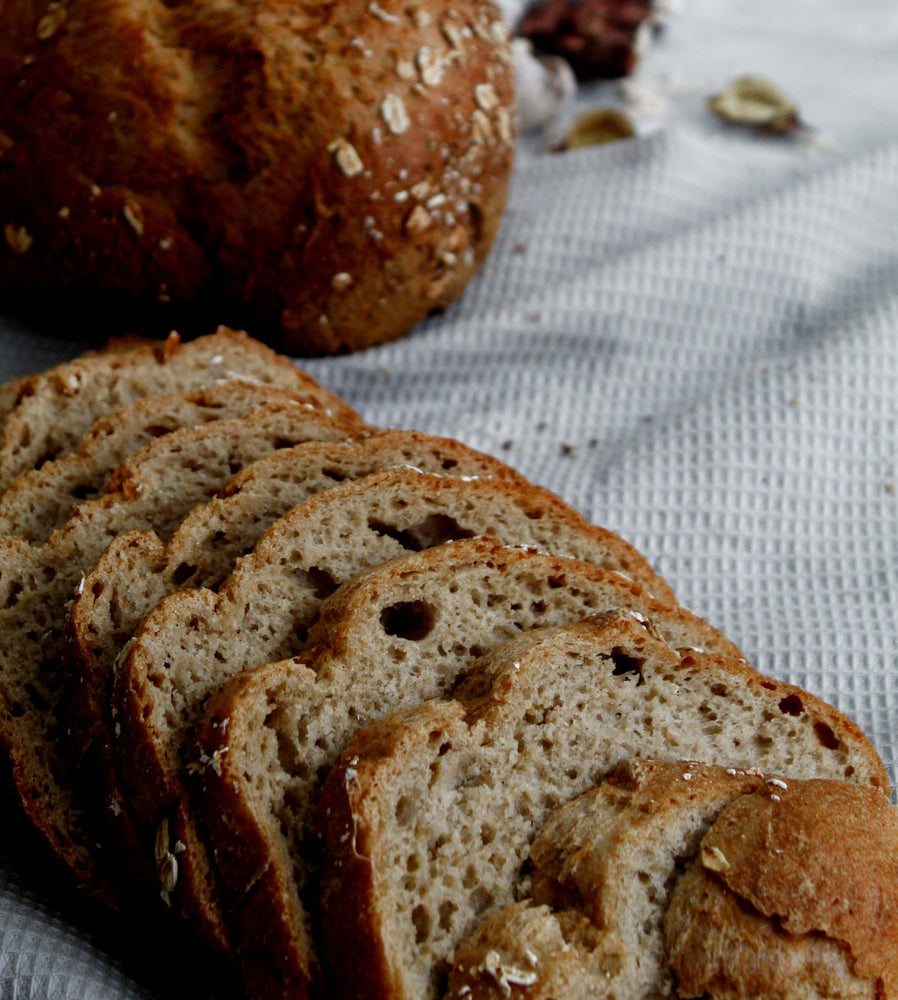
<point>693,338</point>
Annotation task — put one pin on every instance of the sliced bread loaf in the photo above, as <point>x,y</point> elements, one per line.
<point>137,570</point>
<point>154,489</point>
<point>193,641</point>
<point>39,501</point>
<point>429,817</point>
<point>394,636</point>
<point>613,913</point>
<point>55,409</point>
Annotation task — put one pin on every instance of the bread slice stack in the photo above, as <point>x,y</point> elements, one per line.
<point>335,695</point>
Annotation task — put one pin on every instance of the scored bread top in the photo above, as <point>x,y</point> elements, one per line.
<point>56,408</point>
<point>152,489</point>
<point>192,641</point>
<point>40,500</point>
<point>541,719</point>
<point>392,637</point>
<point>797,886</point>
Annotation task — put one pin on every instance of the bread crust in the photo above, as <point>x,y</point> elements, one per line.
<point>808,897</point>
<point>332,172</point>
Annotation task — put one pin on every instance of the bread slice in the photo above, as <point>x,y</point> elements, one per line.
<point>429,816</point>
<point>152,489</point>
<point>613,913</point>
<point>195,640</point>
<point>137,570</point>
<point>39,501</point>
<point>56,408</point>
<point>393,637</point>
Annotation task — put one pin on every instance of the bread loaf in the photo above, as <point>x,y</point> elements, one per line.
<point>429,817</point>
<point>688,880</point>
<point>331,173</point>
<point>392,637</point>
<point>152,489</point>
<point>55,409</point>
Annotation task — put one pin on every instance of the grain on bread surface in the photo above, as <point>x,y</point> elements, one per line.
<point>153,488</point>
<point>55,409</point>
<point>332,171</point>
<point>194,640</point>
<point>539,720</point>
<point>389,638</point>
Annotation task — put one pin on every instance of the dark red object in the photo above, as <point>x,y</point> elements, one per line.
<point>597,37</point>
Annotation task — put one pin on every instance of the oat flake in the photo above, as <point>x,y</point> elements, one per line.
<point>347,157</point>
<point>392,110</point>
<point>18,238</point>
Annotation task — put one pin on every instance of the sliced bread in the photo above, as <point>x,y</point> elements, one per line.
<point>55,409</point>
<point>653,885</point>
<point>39,501</point>
<point>392,637</point>
<point>137,570</point>
<point>429,817</point>
<point>194,640</point>
<point>153,489</point>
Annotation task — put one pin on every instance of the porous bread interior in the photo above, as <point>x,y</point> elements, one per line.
<point>264,611</point>
<point>163,481</point>
<point>59,406</point>
<point>41,500</point>
<point>458,820</point>
<point>401,634</point>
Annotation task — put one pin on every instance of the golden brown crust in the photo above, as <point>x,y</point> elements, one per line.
<point>338,170</point>
<point>821,857</point>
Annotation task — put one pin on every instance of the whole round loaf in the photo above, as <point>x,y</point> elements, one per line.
<point>329,172</point>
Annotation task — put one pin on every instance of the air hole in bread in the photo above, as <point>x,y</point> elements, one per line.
<point>156,430</point>
<point>791,705</point>
<point>405,811</point>
<point>422,921</point>
<point>411,620</point>
<point>337,477</point>
<point>624,663</point>
<point>825,736</point>
<point>447,909</point>
<point>322,582</point>
<point>13,596</point>
<point>182,574</point>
